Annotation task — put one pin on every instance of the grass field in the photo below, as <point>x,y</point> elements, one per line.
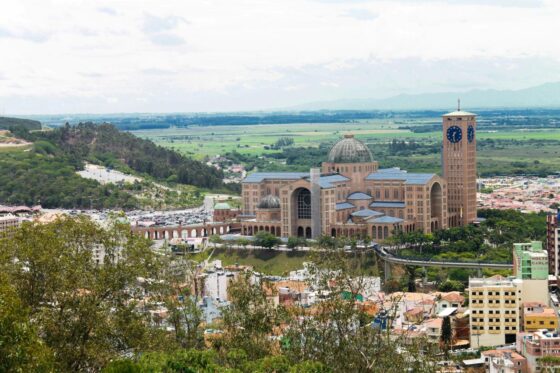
<point>213,140</point>
<point>521,150</point>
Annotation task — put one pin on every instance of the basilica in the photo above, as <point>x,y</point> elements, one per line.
<point>351,196</point>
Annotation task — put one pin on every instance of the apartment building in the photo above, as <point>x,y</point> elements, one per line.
<point>8,223</point>
<point>553,243</point>
<point>494,304</point>
<point>536,345</point>
<point>537,316</point>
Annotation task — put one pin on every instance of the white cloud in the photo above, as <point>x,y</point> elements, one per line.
<point>250,54</point>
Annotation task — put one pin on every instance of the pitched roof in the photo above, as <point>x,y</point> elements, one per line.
<point>328,180</point>
<point>386,220</point>
<point>366,213</point>
<point>258,177</point>
<point>325,181</point>
<point>453,296</point>
<point>344,206</point>
<point>222,206</point>
<point>398,174</point>
<point>387,204</point>
<point>358,196</point>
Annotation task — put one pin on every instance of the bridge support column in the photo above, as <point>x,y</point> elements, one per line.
<point>387,271</point>
<point>479,272</point>
<point>425,276</point>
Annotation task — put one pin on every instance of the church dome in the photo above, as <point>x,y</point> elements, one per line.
<point>269,202</point>
<point>349,150</point>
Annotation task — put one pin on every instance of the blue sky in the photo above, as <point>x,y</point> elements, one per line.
<point>84,56</point>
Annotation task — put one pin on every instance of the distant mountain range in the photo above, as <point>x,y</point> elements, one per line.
<point>542,96</point>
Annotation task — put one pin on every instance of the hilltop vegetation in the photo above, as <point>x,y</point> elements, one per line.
<point>107,145</point>
<point>46,173</point>
<point>17,123</point>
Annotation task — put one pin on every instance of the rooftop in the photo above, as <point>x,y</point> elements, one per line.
<point>398,174</point>
<point>387,204</point>
<point>349,150</point>
<point>344,206</point>
<point>459,113</point>
<point>358,196</point>
<point>386,220</point>
<point>366,213</point>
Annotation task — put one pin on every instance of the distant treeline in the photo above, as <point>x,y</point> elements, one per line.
<point>17,123</point>
<point>232,120</point>
<point>130,122</point>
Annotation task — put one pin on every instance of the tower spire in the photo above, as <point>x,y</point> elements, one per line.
<point>458,104</point>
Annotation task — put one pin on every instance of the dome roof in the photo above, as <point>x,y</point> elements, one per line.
<point>349,150</point>
<point>269,202</point>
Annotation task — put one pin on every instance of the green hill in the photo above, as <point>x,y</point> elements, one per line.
<point>18,123</point>
<point>46,174</point>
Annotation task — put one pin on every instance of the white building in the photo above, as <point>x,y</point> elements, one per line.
<point>495,304</point>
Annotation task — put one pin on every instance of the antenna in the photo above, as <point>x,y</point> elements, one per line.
<point>458,104</point>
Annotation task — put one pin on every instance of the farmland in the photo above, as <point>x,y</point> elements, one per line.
<point>504,150</point>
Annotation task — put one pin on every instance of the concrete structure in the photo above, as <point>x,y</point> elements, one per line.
<point>553,243</point>
<point>536,345</point>
<point>537,316</point>
<point>459,165</point>
<point>223,212</point>
<point>185,231</point>
<point>530,261</point>
<point>8,224</point>
<point>352,196</point>
<point>504,361</point>
<point>495,305</point>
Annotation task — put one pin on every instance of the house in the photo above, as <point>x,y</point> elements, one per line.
<point>504,361</point>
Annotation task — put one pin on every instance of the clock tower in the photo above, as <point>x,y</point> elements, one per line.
<point>459,166</point>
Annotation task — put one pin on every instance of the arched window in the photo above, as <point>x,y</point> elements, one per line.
<point>304,204</point>
<point>385,232</point>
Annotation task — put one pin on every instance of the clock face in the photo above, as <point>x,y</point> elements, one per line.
<point>470,133</point>
<point>454,134</point>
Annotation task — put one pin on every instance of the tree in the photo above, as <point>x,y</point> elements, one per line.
<point>21,349</point>
<point>84,311</point>
<point>244,242</point>
<point>446,337</point>
<point>215,240</point>
<point>250,318</point>
<point>293,242</point>
<point>266,239</point>
<point>338,332</point>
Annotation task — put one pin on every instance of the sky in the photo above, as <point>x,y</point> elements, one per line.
<point>88,56</point>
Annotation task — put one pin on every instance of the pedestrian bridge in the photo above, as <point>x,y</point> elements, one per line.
<point>387,256</point>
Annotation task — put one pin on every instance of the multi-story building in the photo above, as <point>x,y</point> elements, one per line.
<point>351,196</point>
<point>495,307</point>
<point>494,304</point>
<point>8,223</point>
<point>536,345</point>
<point>536,316</point>
<point>553,243</point>
<point>504,361</point>
<point>530,261</point>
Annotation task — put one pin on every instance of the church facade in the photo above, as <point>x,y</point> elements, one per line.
<point>351,196</point>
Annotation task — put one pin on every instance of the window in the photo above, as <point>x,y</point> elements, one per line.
<point>304,204</point>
